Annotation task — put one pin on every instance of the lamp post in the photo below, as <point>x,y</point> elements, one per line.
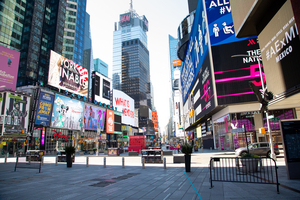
<point>267,114</point>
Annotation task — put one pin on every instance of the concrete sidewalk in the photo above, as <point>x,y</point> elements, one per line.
<point>134,182</point>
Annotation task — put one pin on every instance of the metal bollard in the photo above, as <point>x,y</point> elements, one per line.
<point>42,160</point>
<point>143,163</point>
<point>17,159</point>
<point>165,163</point>
<point>5,160</point>
<point>202,149</point>
<point>210,148</point>
<point>104,162</point>
<point>29,159</point>
<point>7,154</point>
<point>56,160</point>
<point>123,162</point>
<point>15,154</point>
<point>87,161</point>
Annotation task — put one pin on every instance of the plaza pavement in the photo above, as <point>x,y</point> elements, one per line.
<point>94,181</point>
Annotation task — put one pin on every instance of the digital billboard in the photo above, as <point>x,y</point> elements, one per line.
<point>44,109</point>
<point>232,74</point>
<point>9,62</point>
<point>110,121</point>
<point>220,23</point>
<point>101,88</point>
<point>93,117</point>
<point>67,75</point>
<point>15,108</point>
<point>124,104</point>
<point>196,51</point>
<point>125,19</point>
<point>67,113</point>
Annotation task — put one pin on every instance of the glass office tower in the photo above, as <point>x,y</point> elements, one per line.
<point>131,72</point>
<point>101,67</point>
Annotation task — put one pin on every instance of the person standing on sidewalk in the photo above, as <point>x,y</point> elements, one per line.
<point>178,147</point>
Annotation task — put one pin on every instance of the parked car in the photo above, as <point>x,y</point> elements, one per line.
<point>259,148</point>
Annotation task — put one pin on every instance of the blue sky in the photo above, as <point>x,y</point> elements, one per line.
<point>164,17</point>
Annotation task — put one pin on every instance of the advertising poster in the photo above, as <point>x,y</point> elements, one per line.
<point>220,23</point>
<point>67,113</point>
<point>232,74</point>
<point>124,104</point>
<point>9,62</point>
<point>196,51</point>
<point>44,109</point>
<point>15,109</point>
<point>110,121</point>
<point>101,88</point>
<point>93,117</point>
<point>67,75</point>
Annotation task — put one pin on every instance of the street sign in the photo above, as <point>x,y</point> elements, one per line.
<point>271,116</point>
<point>238,130</point>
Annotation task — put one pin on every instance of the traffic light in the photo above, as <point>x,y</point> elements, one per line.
<point>262,97</point>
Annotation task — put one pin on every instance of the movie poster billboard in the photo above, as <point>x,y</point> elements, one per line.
<point>124,104</point>
<point>15,108</point>
<point>9,62</point>
<point>44,109</point>
<point>67,75</point>
<point>67,113</point>
<point>93,117</point>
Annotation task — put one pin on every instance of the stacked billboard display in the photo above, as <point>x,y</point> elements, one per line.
<point>14,109</point>
<point>9,62</point>
<point>67,75</point>
<point>124,104</point>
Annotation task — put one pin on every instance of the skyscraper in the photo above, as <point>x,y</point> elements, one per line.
<point>101,67</point>
<point>131,72</point>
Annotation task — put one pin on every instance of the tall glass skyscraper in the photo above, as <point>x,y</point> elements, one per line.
<point>131,72</point>
<point>101,67</point>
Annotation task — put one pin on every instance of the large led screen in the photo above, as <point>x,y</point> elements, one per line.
<point>67,75</point>
<point>67,113</point>
<point>94,117</point>
<point>124,104</point>
<point>232,74</point>
<point>196,51</point>
<point>15,108</point>
<point>101,88</point>
<point>9,65</point>
<point>44,109</point>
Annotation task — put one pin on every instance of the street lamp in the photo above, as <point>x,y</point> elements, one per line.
<point>263,87</point>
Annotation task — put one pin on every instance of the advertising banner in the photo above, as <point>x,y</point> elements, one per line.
<point>280,49</point>
<point>232,74</point>
<point>15,108</point>
<point>220,23</point>
<point>9,62</point>
<point>94,117</point>
<point>154,119</point>
<point>125,19</point>
<point>196,51</point>
<point>125,104</point>
<point>110,121</point>
<point>67,113</point>
<point>44,109</point>
<point>101,88</point>
<point>67,75</point>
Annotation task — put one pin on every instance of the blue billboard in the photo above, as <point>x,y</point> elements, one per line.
<point>220,23</point>
<point>44,109</point>
<point>196,51</point>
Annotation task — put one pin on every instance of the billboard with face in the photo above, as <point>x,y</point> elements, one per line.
<point>125,105</point>
<point>9,62</point>
<point>67,75</point>
<point>44,109</point>
<point>93,118</point>
<point>67,113</point>
<point>15,108</point>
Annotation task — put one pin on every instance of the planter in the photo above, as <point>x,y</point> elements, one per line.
<point>69,160</point>
<point>250,164</point>
<point>187,159</point>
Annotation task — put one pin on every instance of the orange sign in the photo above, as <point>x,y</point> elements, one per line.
<point>154,119</point>
<point>176,63</point>
<point>110,121</point>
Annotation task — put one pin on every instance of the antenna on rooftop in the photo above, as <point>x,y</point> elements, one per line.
<point>131,5</point>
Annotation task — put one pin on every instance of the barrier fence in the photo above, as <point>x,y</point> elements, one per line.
<point>245,170</point>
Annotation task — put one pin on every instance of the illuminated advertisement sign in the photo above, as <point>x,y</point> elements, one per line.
<point>67,113</point>
<point>9,62</point>
<point>16,108</point>
<point>110,121</point>
<point>154,119</point>
<point>100,88</point>
<point>220,23</point>
<point>280,48</point>
<point>176,63</point>
<point>125,19</point>
<point>146,24</point>
<point>93,117</point>
<point>44,109</point>
<point>124,104</point>
<point>67,75</point>
<point>196,51</point>
<point>232,75</point>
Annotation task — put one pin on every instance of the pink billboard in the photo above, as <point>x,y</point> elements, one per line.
<point>9,65</point>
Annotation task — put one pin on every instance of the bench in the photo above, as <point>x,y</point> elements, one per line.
<point>28,163</point>
<point>178,159</point>
<point>133,153</point>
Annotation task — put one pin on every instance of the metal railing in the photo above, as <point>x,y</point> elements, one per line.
<point>245,170</point>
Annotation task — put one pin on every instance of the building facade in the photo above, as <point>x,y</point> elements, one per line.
<point>101,67</point>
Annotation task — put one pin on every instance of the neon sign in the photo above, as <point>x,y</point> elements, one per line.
<point>58,135</point>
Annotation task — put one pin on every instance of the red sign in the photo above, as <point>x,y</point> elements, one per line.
<point>57,135</point>
<point>110,121</point>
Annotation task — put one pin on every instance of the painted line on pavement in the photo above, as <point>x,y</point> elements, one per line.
<point>192,185</point>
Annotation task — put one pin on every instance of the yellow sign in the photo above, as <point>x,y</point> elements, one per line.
<point>262,130</point>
